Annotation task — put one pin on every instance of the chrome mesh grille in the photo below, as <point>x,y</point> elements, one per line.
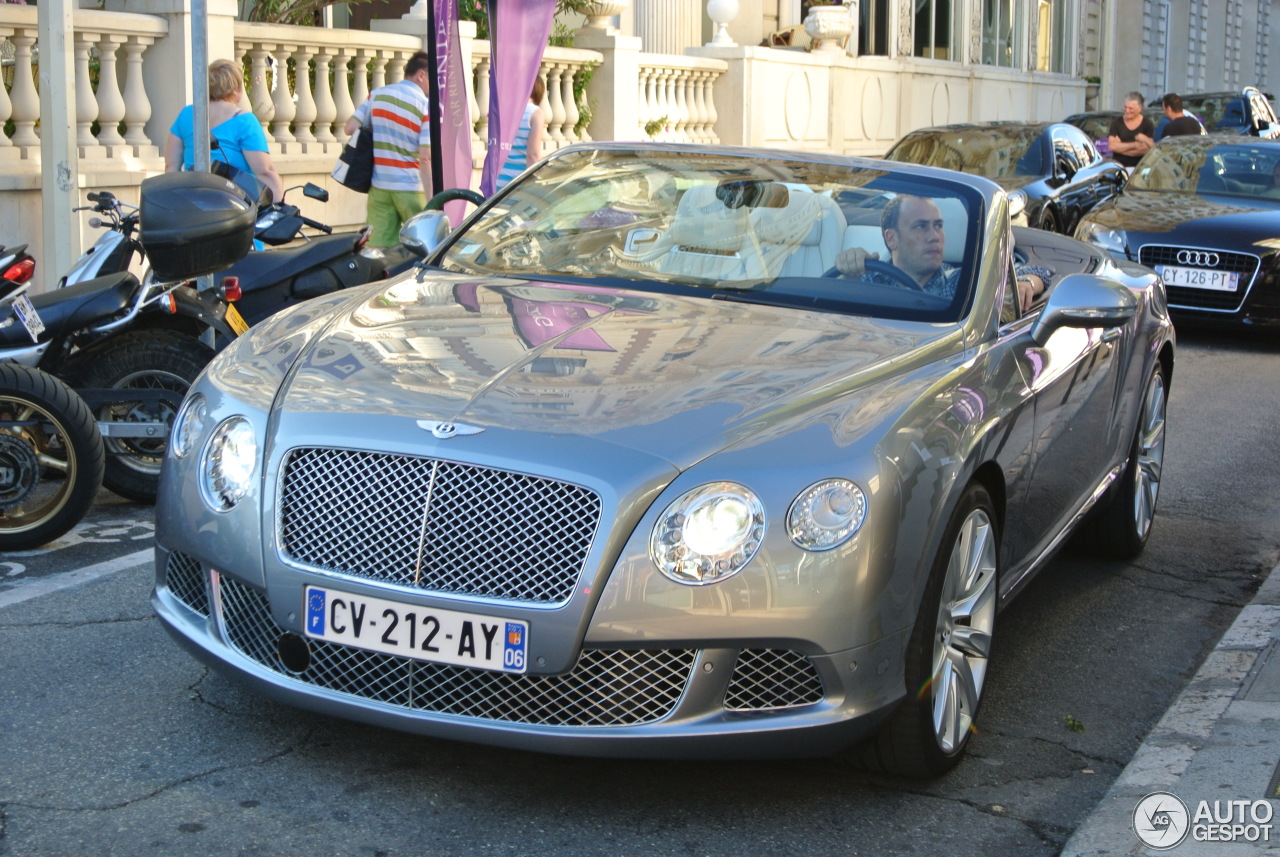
<point>186,580</point>
<point>772,678</point>
<point>487,532</point>
<point>1208,299</point>
<point>605,688</point>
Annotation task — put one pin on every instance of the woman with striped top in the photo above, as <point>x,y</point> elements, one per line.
<point>528,137</point>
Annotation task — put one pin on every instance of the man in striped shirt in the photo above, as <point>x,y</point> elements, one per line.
<point>401,150</point>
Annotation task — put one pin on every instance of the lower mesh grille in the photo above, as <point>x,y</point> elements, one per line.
<point>186,580</point>
<point>605,688</point>
<point>772,678</point>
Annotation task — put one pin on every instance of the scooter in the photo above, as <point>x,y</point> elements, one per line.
<point>273,279</point>
<point>51,453</point>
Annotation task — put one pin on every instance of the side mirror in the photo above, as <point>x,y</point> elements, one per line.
<point>1084,300</point>
<point>314,191</point>
<point>423,233</point>
<point>1064,169</point>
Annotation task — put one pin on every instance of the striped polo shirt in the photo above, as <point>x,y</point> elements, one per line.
<point>399,113</point>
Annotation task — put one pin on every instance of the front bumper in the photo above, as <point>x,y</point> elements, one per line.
<point>749,700</point>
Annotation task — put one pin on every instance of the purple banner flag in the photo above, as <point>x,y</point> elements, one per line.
<point>518,32</point>
<point>454,118</point>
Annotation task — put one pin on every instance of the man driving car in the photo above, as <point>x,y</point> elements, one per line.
<point>915,235</point>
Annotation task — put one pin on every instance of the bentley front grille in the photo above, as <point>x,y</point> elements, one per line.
<point>436,525</point>
<point>186,580</point>
<point>1184,297</point>
<point>772,678</point>
<point>605,688</point>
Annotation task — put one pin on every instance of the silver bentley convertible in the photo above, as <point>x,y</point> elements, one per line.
<point>669,451</point>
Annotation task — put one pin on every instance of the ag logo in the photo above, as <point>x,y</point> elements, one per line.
<point>1161,820</point>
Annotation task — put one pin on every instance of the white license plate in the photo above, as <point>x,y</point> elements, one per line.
<point>1199,278</point>
<point>413,631</point>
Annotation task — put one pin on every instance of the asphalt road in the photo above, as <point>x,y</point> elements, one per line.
<point>115,742</point>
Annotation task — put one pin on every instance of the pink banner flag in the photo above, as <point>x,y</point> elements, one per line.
<point>518,32</point>
<point>454,118</point>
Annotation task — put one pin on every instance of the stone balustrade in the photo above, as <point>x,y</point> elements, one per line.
<point>116,42</point>
<point>675,98</point>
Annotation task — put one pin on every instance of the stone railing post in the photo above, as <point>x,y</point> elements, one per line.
<point>614,85</point>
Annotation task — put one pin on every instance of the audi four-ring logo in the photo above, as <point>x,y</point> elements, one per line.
<point>1199,258</point>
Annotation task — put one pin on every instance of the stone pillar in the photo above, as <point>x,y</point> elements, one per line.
<point>668,26</point>
<point>59,157</point>
<point>613,87</point>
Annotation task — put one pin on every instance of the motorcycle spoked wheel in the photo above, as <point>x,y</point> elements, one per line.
<point>51,458</point>
<point>143,360</point>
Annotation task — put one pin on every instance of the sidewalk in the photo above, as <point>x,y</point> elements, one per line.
<point>1219,741</point>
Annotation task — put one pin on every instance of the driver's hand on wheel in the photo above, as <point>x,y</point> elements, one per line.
<point>853,262</point>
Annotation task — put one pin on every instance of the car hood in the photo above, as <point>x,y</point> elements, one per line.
<point>674,377</point>
<point>1009,183</point>
<point>1192,219</point>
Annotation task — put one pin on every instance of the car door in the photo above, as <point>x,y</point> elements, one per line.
<point>1073,382</point>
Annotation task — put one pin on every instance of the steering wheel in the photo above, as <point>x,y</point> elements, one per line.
<point>436,203</point>
<point>875,266</point>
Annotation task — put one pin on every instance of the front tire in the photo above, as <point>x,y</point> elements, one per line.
<point>949,650</point>
<point>1121,529</point>
<point>51,458</point>
<point>149,359</point>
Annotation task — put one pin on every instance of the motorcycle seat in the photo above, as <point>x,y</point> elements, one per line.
<point>75,307</point>
<point>266,269</point>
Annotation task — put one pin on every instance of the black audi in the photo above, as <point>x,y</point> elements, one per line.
<point>1051,169</point>
<point>1204,212</point>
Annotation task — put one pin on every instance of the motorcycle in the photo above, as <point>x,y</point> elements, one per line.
<point>263,283</point>
<point>52,457</point>
<point>131,349</point>
<point>273,279</point>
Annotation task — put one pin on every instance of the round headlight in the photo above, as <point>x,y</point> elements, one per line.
<point>230,458</point>
<point>1104,237</point>
<point>826,514</point>
<point>708,534</point>
<point>193,418</point>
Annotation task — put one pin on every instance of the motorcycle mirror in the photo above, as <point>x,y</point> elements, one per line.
<point>314,191</point>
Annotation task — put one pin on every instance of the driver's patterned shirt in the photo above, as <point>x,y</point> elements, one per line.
<point>944,280</point>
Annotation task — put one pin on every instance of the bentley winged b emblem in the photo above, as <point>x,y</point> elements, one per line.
<point>445,430</point>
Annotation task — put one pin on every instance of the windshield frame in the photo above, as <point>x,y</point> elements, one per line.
<point>552,180</point>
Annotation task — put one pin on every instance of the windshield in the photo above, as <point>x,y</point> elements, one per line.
<point>1213,111</point>
<point>1203,165</point>
<point>1013,150</point>
<point>731,227</point>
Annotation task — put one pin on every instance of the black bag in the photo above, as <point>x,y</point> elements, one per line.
<point>355,164</point>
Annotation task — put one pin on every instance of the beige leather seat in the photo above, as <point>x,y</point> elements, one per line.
<point>800,239</point>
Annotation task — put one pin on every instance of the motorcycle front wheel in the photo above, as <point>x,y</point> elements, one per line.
<point>141,360</point>
<point>51,458</point>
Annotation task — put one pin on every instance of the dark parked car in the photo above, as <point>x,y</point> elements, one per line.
<point>624,470</point>
<point>1247,111</point>
<point>1204,212</point>
<point>1053,167</point>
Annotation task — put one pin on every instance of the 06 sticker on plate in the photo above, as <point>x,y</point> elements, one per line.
<point>414,631</point>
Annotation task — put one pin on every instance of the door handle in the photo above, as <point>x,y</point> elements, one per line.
<point>1111,334</point>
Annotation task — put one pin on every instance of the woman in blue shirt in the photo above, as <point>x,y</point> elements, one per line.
<point>241,142</point>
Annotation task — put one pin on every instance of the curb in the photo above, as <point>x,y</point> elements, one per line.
<point>1161,764</point>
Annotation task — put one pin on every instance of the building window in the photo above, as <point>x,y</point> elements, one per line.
<point>1053,36</point>
<point>933,29</point>
<point>873,28</point>
<point>998,28</point>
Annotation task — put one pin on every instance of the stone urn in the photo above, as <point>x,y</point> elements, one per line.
<point>828,27</point>
<point>600,13</point>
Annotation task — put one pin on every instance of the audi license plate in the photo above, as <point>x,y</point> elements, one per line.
<point>413,631</point>
<point>1199,278</point>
